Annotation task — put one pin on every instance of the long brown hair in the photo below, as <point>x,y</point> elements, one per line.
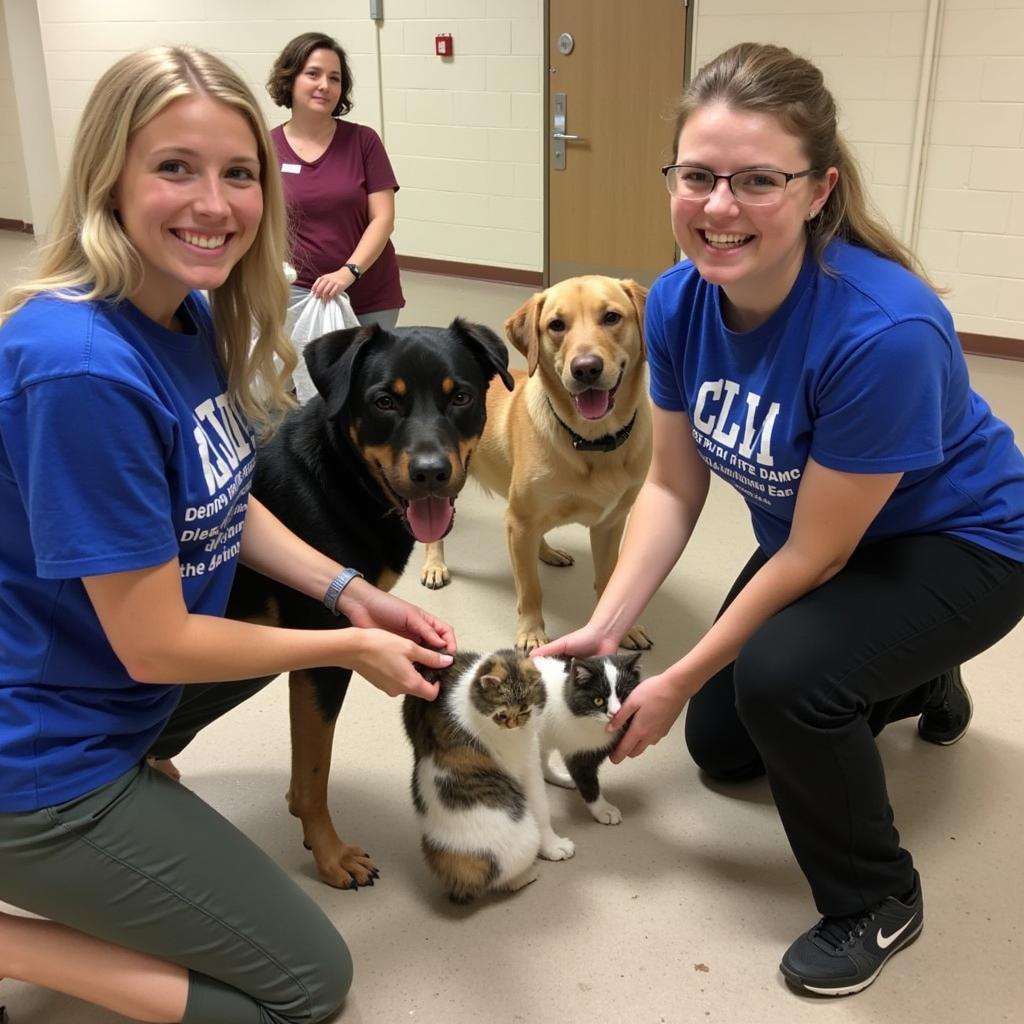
<point>89,256</point>
<point>773,80</point>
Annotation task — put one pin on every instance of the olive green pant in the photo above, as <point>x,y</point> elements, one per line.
<point>146,864</point>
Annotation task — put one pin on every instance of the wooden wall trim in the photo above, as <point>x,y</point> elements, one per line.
<point>6,224</point>
<point>990,345</point>
<point>478,271</point>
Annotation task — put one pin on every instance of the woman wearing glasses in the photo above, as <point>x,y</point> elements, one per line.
<point>801,354</point>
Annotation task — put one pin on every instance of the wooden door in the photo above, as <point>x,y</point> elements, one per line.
<point>607,208</point>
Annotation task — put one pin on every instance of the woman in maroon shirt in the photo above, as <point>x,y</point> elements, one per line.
<point>338,182</point>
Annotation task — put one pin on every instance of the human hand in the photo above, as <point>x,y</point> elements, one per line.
<point>365,605</point>
<point>389,662</point>
<point>583,642</point>
<point>327,286</point>
<point>649,711</point>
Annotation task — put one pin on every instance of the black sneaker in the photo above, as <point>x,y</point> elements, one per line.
<point>945,718</point>
<point>842,955</point>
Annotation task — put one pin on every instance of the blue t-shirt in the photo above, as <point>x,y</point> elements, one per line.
<point>861,370</point>
<point>119,449</point>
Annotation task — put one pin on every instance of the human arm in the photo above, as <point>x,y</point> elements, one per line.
<point>270,548</point>
<point>660,524</point>
<point>381,209</point>
<point>832,513</point>
<point>157,639</point>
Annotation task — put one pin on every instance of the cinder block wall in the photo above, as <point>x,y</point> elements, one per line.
<point>14,199</point>
<point>971,225</point>
<point>466,135</point>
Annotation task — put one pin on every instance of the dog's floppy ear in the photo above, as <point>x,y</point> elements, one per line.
<point>523,330</point>
<point>488,348</point>
<point>331,361</point>
<point>638,296</point>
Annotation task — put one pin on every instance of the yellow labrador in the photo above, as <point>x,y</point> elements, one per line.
<point>572,442</point>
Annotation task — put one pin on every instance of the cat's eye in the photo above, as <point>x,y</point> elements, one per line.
<point>599,701</point>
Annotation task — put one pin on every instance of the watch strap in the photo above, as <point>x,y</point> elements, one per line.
<point>336,586</point>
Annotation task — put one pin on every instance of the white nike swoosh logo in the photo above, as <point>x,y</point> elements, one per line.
<point>885,941</point>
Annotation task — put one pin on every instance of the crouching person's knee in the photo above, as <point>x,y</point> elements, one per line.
<point>330,982</point>
<point>721,748</point>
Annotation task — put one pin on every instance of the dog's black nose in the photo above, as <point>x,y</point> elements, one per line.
<point>586,369</point>
<point>429,470</point>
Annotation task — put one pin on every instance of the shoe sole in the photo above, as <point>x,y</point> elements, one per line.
<point>960,734</point>
<point>849,990</point>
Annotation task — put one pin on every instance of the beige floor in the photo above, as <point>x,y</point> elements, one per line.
<point>678,915</point>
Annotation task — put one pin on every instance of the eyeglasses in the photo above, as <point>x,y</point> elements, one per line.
<point>755,186</point>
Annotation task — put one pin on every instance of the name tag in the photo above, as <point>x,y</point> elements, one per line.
<point>291,168</point>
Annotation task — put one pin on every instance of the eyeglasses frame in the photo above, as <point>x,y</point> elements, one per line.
<point>716,178</point>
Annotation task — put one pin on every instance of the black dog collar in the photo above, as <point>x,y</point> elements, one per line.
<point>608,443</point>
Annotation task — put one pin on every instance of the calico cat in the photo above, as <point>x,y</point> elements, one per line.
<point>477,782</point>
<point>582,696</point>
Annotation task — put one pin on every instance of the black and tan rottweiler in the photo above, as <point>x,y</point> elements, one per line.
<point>365,468</point>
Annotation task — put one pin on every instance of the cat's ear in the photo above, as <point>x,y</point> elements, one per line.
<point>631,662</point>
<point>580,673</point>
<point>490,682</point>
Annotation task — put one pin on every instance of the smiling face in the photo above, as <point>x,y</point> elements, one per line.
<point>753,252</point>
<point>189,199</point>
<point>317,87</point>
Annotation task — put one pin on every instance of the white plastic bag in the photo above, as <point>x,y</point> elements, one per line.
<point>309,318</point>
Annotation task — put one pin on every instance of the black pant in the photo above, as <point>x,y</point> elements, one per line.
<point>819,680</point>
<point>199,705</point>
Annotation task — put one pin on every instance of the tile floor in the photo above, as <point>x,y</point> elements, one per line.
<point>680,914</point>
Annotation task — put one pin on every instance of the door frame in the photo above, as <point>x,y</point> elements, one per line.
<point>688,52</point>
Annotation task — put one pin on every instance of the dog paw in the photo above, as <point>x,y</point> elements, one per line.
<point>605,813</point>
<point>555,556</point>
<point>557,848</point>
<point>528,639</point>
<point>637,639</point>
<point>435,577</point>
<point>346,867</point>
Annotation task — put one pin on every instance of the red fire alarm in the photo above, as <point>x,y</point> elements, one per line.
<point>443,45</point>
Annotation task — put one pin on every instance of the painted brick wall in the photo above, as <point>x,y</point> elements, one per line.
<point>14,200</point>
<point>464,134</point>
<point>971,225</point>
<point>81,40</point>
<point>972,214</point>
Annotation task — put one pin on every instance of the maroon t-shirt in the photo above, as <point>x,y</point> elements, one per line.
<point>328,212</point>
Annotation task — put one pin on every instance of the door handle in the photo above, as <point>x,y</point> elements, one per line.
<point>559,135</point>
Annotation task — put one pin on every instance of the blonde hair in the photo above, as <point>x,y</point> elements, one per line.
<point>773,80</point>
<point>90,257</point>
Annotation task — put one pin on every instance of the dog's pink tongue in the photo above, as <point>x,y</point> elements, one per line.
<point>592,404</point>
<point>430,518</point>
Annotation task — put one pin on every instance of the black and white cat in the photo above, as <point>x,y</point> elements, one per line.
<point>477,782</point>
<point>582,696</point>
